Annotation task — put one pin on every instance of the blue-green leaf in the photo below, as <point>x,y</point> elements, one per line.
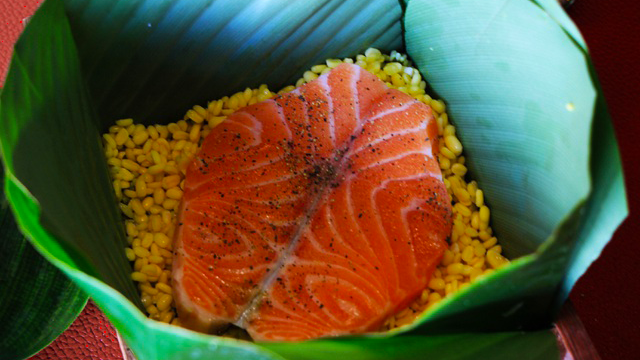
<point>518,86</point>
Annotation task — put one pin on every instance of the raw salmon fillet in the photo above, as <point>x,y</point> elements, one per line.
<point>318,213</point>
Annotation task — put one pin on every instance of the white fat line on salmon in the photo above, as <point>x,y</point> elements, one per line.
<point>257,124</point>
<point>388,112</point>
<point>300,96</point>
<point>242,219</point>
<point>275,223</point>
<point>358,274</point>
<point>336,235</point>
<point>205,287</point>
<point>205,269</point>
<point>312,318</point>
<point>281,117</point>
<point>210,238</point>
<point>323,81</point>
<point>270,182</point>
<point>414,205</point>
<point>354,291</point>
<point>299,326</point>
<point>244,270</point>
<point>309,281</point>
<point>376,213</point>
<point>426,151</point>
<point>257,165</point>
<point>297,323</point>
<point>256,130</point>
<point>354,217</point>
<point>384,183</point>
<point>356,96</point>
<point>386,137</point>
<point>280,200</point>
<point>232,256</point>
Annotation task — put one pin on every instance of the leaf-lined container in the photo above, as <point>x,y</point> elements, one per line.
<point>518,82</point>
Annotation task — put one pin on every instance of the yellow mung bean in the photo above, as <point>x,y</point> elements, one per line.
<point>138,276</point>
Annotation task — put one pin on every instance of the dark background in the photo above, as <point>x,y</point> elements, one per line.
<point>607,297</point>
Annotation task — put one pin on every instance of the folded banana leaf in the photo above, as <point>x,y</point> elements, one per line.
<point>516,76</point>
<point>37,302</point>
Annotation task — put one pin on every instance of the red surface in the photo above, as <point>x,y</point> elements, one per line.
<point>12,14</point>
<point>89,337</point>
<point>606,298</point>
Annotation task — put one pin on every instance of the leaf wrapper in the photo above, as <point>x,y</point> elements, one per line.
<point>534,125</point>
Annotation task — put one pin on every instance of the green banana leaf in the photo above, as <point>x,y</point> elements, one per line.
<point>494,346</point>
<point>37,301</point>
<point>517,80</point>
